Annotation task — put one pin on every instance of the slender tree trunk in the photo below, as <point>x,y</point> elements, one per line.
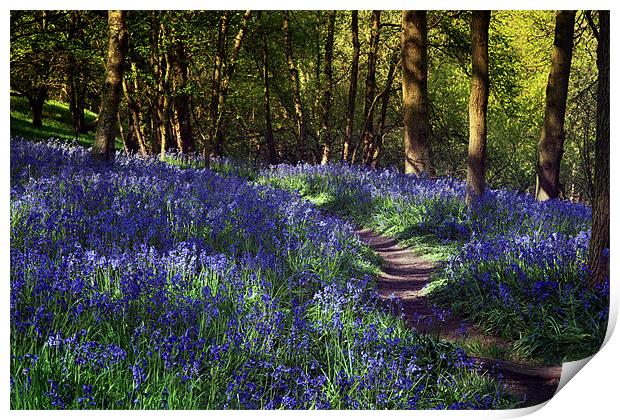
<point>216,83</point>
<point>417,127</point>
<point>375,152</point>
<point>75,76</point>
<point>326,133</point>
<point>318,89</point>
<point>294,76</point>
<point>478,102</point>
<point>369,103</point>
<point>36,103</point>
<point>181,117</point>
<point>103,147</point>
<point>157,98</point>
<point>154,129</point>
<point>271,146</point>
<point>134,107</point>
<point>348,130</point>
<point>163,105</point>
<point>130,144</point>
<point>551,144</point>
<point>598,258</point>
<point>225,85</point>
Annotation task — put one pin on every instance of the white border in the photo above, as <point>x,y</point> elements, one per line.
<point>592,393</point>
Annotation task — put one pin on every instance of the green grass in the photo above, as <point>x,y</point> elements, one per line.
<point>57,123</point>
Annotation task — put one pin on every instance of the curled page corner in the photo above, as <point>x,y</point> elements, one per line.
<point>570,369</point>
<point>521,412</point>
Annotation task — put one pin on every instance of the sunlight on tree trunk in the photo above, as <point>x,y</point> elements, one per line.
<point>218,129</point>
<point>348,131</point>
<point>551,144</point>
<point>103,147</point>
<point>367,135</point>
<point>294,78</point>
<point>417,128</point>
<point>325,133</point>
<point>478,102</point>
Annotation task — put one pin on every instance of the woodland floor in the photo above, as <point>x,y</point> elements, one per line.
<point>404,276</point>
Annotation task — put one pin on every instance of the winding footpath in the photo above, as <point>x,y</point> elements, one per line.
<point>405,274</point>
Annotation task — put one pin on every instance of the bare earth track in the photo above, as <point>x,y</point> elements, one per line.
<point>406,273</point>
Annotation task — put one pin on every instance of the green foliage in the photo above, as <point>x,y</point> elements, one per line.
<point>56,123</point>
<point>520,44</point>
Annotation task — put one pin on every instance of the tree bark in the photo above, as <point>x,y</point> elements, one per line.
<point>75,78</point>
<point>163,103</point>
<point>218,129</point>
<point>551,144</point>
<point>181,115</point>
<point>417,127</point>
<point>135,111</point>
<point>161,76</point>
<point>216,83</point>
<point>36,103</point>
<point>478,102</point>
<point>103,147</point>
<point>130,144</point>
<point>598,258</point>
<point>294,79</point>
<point>369,103</point>
<point>157,86</point>
<point>348,130</point>
<point>375,152</point>
<point>271,147</point>
<point>326,128</point>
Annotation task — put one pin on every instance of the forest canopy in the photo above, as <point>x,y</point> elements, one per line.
<point>239,80</point>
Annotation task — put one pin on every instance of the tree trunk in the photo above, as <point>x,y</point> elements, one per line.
<point>478,102</point>
<point>551,144</point>
<point>161,76</point>
<point>216,83</point>
<point>163,105</point>
<point>369,103</point>
<point>166,101</point>
<point>75,78</point>
<point>218,129</point>
<point>271,147</point>
<point>417,127</point>
<point>598,258</point>
<point>294,78</point>
<point>348,130</point>
<point>130,144</point>
<point>36,103</point>
<point>134,107</point>
<point>326,133</point>
<point>103,147</point>
<point>375,152</point>
<point>181,117</point>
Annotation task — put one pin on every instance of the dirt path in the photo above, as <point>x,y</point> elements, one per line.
<point>405,274</point>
